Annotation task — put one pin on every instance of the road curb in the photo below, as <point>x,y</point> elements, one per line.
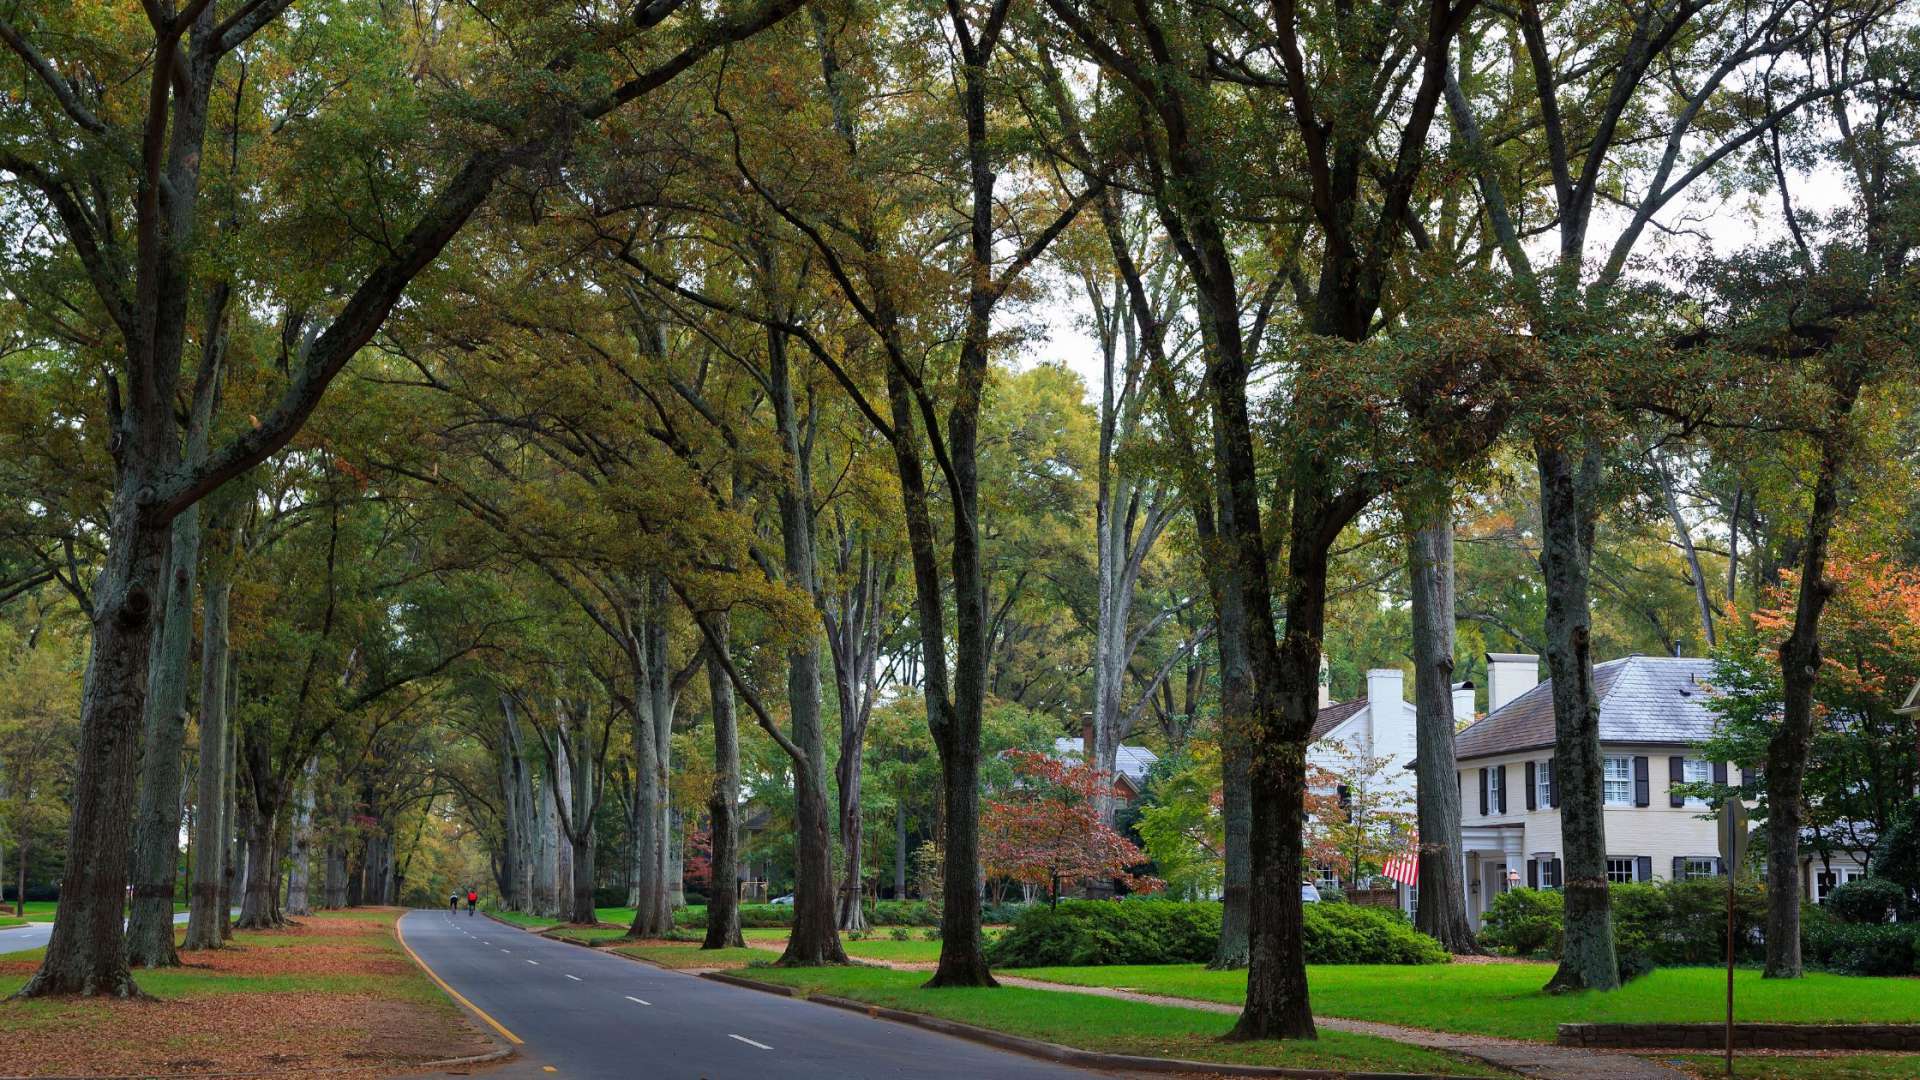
<point>1046,1051</point>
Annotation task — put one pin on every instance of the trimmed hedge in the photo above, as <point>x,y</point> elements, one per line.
<point>1092,932</point>
<point>762,916</point>
<point>1679,923</point>
<point>1859,948</point>
<point>1867,900</point>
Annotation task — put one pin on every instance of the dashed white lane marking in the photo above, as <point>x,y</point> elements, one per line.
<point>534,962</point>
<point>636,1000</point>
<point>749,1042</point>
<point>575,978</point>
<point>506,950</point>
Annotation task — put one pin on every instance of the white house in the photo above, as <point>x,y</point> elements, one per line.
<point>1130,764</point>
<point>1653,718</point>
<point>1380,725</point>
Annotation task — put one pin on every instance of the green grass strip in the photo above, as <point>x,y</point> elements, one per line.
<point>1113,1026</point>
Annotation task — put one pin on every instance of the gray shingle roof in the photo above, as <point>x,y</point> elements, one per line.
<point>1332,716</point>
<point>1643,699</point>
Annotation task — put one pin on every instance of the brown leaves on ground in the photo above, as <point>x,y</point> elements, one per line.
<point>333,993</point>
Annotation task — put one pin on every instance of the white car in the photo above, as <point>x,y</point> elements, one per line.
<point>1309,894</point>
<point>786,900</point>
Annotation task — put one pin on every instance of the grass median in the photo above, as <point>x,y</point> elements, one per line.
<point>1112,1026</point>
<point>1505,999</point>
<point>336,992</point>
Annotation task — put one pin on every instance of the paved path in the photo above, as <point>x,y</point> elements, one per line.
<point>35,935</point>
<point>586,1013</point>
<point>1525,1058</point>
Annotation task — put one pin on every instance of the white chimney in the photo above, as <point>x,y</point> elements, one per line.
<point>1389,721</point>
<point>1509,675</point>
<point>1463,704</point>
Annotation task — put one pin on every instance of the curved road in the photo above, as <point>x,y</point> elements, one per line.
<point>35,935</point>
<point>584,1013</point>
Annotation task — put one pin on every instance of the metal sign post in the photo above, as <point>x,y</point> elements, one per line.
<point>1732,828</point>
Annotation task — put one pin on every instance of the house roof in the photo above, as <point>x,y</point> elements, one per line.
<point>1131,762</point>
<point>1643,699</point>
<point>1332,716</point>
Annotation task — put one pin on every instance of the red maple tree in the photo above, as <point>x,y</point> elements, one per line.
<point>1047,830</point>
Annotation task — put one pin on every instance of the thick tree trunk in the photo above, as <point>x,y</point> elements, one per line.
<point>1443,911</point>
<point>86,953</point>
<point>336,876</point>
<point>1800,660</point>
<point>205,917</point>
<point>1236,811</point>
<point>676,859</point>
<point>236,817</point>
<point>156,825</point>
<point>900,848</point>
<point>723,890</point>
<point>1567,490</point>
<point>257,911</point>
<point>560,770</point>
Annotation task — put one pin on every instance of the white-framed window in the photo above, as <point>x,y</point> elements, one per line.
<point>1696,771</point>
<point>1697,869</point>
<point>1825,881</point>
<point>1543,783</point>
<point>1620,869</point>
<point>1496,793</point>
<point>1617,776</point>
<point>1326,877</point>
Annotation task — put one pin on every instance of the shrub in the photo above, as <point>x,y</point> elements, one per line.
<point>1003,914</point>
<point>1086,932</point>
<point>696,899</point>
<point>900,933</point>
<point>1859,948</point>
<point>904,913</point>
<point>1081,932</point>
<point>1867,900</point>
<point>751,916</point>
<point>1352,934</point>
<point>1524,922</point>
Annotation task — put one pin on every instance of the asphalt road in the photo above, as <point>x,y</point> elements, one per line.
<point>589,1014</point>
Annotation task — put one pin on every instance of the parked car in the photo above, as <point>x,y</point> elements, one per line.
<point>786,900</point>
<point>1309,893</point>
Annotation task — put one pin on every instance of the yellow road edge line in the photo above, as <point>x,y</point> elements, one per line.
<point>401,936</point>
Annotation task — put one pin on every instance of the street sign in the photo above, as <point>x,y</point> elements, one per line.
<point>1732,828</point>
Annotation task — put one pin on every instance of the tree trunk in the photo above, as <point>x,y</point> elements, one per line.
<point>335,895</point>
<point>723,890</point>
<point>900,848</point>
<point>1442,913</point>
<point>1567,490</point>
<point>1800,661</point>
<point>156,826</point>
<point>86,953</point>
<point>235,818</point>
<point>652,711</point>
<point>256,898</point>
<point>205,917</point>
<point>300,847</point>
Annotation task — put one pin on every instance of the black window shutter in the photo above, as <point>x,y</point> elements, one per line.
<point>1553,785</point>
<point>1530,783</point>
<point>1345,795</point>
<point>1679,868</point>
<point>1746,776</point>
<point>1503,789</point>
<point>1483,793</point>
<point>1676,775</point>
<point>1642,789</point>
<point>1643,868</point>
<point>1554,866</point>
<point>1720,773</point>
<point>1719,866</point>
<point>1533,873</point>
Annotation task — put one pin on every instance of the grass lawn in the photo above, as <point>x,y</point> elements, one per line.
<point>42,910</point>
<point>1761,1066</point>
<point>1126,1027</point>
<point>691,955</point>
<point>1505,999</point>
<point>336,992</point>
<point>587,933</point>
<point>530,922</point>
<point>8,920</point>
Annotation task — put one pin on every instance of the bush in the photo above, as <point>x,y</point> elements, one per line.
<point>904,913</point>
<point>751,916</point>
<point>1088,932</point>
<point>900,933</point>
<point>1082,932</point>
<point>1523,922</point>
<point>696,899</point>
<point>1867,900</point>
<point>1859,948</point>
<point>610,896</point>
<point>1003,914</point>
<point>1352,934</point>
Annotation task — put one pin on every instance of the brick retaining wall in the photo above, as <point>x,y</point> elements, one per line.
<point>1745,1036</point>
